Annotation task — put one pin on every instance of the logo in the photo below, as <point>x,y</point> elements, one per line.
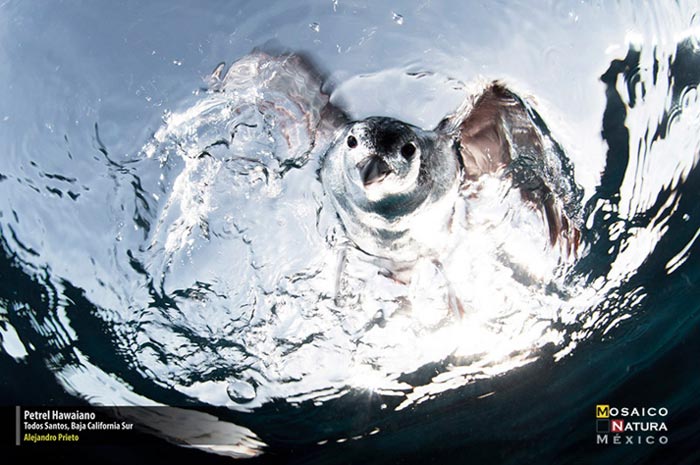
<point>602,411</point>
<point>630,425</point>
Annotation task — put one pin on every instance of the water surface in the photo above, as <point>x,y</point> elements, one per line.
<point>136,270</point>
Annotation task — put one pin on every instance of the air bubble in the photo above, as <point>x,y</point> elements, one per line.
<point>241,391</point>
<point>398,19</point>
<point>315,27</point>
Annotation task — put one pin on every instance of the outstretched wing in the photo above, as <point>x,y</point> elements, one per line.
<point>288,86</point>
<point>500,131</point>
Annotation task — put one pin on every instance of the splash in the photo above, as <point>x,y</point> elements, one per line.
<point>245,250</point>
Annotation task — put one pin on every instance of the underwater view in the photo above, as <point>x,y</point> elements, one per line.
<point>334,231</point>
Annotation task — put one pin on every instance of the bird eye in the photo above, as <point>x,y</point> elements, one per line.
<point>408,150</point>
<point>352,142</point>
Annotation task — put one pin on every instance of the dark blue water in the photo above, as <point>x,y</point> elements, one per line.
<point>92,311</point>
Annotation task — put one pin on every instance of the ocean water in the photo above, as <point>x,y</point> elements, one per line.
<point>166,239</point>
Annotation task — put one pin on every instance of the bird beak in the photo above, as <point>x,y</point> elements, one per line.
<point>373,169</point>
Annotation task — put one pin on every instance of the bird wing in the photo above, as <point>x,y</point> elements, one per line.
<point>499,131</point>
<point>290,87</point>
